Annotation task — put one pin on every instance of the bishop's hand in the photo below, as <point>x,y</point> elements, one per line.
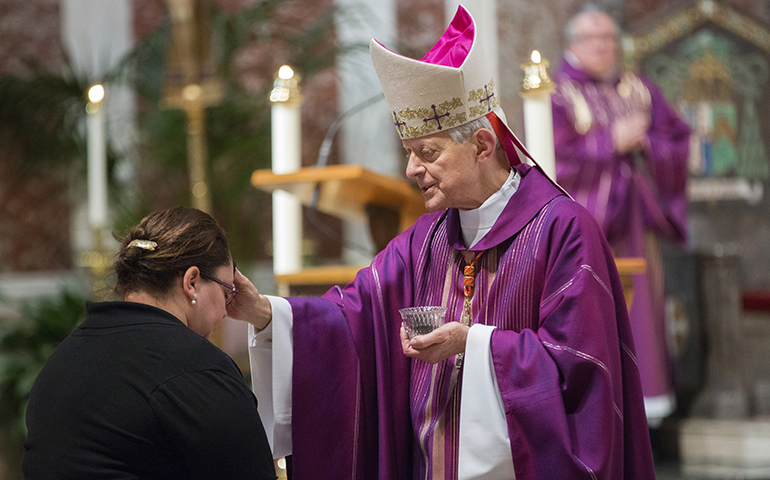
<point>248,305</point>
<point>440,344</point>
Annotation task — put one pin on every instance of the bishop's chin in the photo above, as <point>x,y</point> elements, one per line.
<point>432,205</point>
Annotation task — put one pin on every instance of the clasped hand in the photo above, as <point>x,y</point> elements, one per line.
<point>440,344</point>
<point>630,133</point>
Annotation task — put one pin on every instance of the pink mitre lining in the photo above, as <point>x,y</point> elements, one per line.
<point>453,47</point>
<point>451,50</point>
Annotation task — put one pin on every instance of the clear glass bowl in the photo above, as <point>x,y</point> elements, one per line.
<point>422,320</point>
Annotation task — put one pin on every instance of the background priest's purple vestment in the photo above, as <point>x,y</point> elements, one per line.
<point>563,353</point>
<point>637,197</point>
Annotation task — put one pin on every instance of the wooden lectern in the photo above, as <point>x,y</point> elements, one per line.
<point>352,192</point>
<point>627,268</point>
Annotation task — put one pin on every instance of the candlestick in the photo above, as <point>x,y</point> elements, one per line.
<point>97,159</point>
<point>536,90</point>
<point>98,258</point>
<point>286,157</point>
<point>197,148</point>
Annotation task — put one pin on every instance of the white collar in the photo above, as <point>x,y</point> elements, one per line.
<point>572,59</point>
<point>477,222</point>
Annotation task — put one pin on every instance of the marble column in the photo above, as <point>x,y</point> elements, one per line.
<point>724,395</point>
<point>368,136</point>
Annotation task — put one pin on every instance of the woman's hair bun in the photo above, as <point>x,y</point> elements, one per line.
<point>164,245</point>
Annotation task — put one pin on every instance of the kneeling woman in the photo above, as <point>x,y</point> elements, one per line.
<point>137,391</point>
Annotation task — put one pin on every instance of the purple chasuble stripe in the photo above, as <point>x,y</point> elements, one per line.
<point>504,297</point>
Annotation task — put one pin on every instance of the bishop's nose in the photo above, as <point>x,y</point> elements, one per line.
<point>414,166</point>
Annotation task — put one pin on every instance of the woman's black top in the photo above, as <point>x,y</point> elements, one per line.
<point>133,393</point>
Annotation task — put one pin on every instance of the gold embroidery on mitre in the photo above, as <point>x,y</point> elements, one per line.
<point>487,98</point>
<point>408,113</point>
<point>424,121</point>
<point>432,127</point>
<point>451,104</point>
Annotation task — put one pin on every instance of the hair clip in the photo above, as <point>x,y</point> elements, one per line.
<point>144,244</point>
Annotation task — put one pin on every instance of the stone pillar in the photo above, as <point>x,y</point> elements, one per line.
<point>724,396</point>
<point>368,137</point>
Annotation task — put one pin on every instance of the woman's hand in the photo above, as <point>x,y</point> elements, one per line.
<point>248,304</point>
<point>440,344</point>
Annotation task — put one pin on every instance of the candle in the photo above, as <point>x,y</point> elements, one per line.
<point>97,159</point>
<point>538,118</point>
<point>286,134</point>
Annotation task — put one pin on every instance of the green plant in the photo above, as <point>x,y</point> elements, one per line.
<point>25,345</point>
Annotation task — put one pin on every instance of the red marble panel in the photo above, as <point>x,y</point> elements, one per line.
<point>148,15</point>
<point>235,5</point>
<point>34,208</point>
<point>34,221</point>
<point>29,30</point>
<point>257,63</point>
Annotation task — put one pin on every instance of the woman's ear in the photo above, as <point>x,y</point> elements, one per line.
<point>190,282</point>
<point>485,141</point>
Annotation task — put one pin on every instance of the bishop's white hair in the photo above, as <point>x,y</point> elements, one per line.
<point>463,133</point>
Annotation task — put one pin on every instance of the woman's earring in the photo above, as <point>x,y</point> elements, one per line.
<point>195,295</point>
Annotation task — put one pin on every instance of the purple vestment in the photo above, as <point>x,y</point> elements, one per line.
<point>636,198</point>
<point>562,352</point>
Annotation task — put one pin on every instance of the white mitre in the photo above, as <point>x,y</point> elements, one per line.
<point>450,86</point>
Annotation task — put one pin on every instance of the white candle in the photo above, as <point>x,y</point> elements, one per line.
<point>538,124</point>
<point>286,137</point>
<point>538,117</point>
<point>97,159</point>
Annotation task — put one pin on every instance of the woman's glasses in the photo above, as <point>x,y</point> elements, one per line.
<point>229,290</point>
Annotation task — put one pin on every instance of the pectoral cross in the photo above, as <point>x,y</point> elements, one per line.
<point>469,288</point>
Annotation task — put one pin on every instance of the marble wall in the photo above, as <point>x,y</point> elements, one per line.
<point>29,30</point>
<point>34,220</point>
<point>34,207</point>
<point>419,24</point>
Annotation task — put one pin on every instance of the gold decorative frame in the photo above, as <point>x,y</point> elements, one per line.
<point>637,46</point>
